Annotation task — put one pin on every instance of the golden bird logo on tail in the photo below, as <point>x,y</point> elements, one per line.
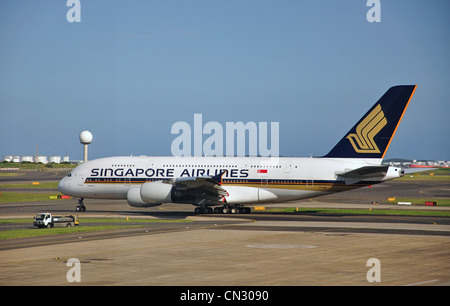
<point>363,141</point>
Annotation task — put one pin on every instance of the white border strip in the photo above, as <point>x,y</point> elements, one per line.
<point>430,281</point>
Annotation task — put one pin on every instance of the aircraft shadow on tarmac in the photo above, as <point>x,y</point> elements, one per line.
<point>185,214</point>
<point>113,213</point>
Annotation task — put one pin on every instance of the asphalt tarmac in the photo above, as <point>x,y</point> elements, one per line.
<point>256,249</point>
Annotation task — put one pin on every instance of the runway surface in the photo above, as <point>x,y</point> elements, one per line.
<point>256,249</point>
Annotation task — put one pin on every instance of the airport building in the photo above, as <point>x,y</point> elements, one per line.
<point>54,159</point>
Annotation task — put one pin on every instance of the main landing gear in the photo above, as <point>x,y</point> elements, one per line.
<point>226,209</point>
<point>80,206</point>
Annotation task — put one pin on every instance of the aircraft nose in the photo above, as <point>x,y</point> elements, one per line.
<point>63,185</point>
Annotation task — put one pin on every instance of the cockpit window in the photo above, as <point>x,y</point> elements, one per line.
<point>69,175</point>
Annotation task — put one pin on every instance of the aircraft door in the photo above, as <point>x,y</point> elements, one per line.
<point>81,179</point>
<point>264,182</point>
<point>288,167</point>
<point>263,176</point>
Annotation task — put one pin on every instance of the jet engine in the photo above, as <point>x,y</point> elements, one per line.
<point>134,198</point>
<point>156,192</point>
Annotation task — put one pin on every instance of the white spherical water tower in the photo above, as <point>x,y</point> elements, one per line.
<point>85,139</point>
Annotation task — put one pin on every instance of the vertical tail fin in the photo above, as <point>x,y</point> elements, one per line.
<point>371,136</point>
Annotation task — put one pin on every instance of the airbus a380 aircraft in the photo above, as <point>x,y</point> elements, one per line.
<point>231,182</point>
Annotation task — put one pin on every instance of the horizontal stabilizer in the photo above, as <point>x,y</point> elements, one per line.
<point>367,172</point>
<point>417,170</point>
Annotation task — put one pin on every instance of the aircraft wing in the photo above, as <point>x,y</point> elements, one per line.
<point>201,187</point>
<point>366,172</point>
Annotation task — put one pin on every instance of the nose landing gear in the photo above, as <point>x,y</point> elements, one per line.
<point>80,206</point>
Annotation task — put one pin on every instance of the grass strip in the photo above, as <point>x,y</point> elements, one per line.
<point>118,223</point>
<point>124,221</point>
<point>30,186</point>
<point>37,166</point>
<point>421,201</point>
<point>25,233</point>
<point>14,197</point>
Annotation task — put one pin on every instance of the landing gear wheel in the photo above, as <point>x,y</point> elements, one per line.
<point>203,210</point>
<point>232,209</point>
<point>228,209</point>
<point>80,206</point>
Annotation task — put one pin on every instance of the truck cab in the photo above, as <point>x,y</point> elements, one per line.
<point>42,220</point>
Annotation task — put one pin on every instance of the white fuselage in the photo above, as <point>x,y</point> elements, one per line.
<point>247,179</point>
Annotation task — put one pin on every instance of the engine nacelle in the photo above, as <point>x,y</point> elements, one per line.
<point>156,192</point>
<point>134,198</point>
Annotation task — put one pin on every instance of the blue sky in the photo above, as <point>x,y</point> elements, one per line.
<point>131,69</point>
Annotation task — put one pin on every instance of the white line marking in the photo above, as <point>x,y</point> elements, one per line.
<point>430,281</point>
<point>280,246</point>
